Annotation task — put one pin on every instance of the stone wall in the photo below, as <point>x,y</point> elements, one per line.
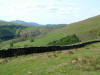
<point>29,50</point>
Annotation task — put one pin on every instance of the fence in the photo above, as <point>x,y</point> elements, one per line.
<point>29,50</point>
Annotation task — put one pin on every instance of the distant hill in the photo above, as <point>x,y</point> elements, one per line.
<point>25,23</point>
<point>6,23</point>
<point>55,24</point>
<point>85,30</point>
<point>9,30</point>
<point>30,23</point>
<point>2,21</point>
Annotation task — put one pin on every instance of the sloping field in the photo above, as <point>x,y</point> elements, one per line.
<point>86,30</point>
<point>82,61</point>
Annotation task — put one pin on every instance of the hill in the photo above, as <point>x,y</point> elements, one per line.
<point>9,30</point>
<point>82,61</point>
<point>16,33</point>
<point>85,30</point>
<point>2,21</point>
<point>25,23</point>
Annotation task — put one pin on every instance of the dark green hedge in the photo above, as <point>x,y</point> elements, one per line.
<point>66,40</point>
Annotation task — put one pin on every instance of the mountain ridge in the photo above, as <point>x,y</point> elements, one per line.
<point>25,23</point>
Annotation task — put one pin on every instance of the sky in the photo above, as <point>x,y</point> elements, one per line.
<point>49,11</point>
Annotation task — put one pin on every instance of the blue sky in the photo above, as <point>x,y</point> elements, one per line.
<point>49,11</point>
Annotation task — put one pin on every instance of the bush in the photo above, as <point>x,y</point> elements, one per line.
<point>66,40</point>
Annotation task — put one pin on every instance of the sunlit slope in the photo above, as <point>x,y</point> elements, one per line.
<point>85,30</point>
<point>82,61</point>
<point>41,40</point>
<point>36,33</point>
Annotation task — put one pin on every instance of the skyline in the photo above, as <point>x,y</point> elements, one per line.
<point>48,11</point>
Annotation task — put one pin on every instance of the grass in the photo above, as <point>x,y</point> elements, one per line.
<point>41,41</point>
<point>82,61</point>
<point>38,41</point>
<point>88,29</point>
<point>85,30</point>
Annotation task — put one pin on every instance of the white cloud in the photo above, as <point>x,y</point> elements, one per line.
<point>37,9</point>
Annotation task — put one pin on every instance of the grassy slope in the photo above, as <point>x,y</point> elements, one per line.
<point>41,40</point>
<point>8,26</point>
<point>43,29</point>
<point>85,30</point>
<point>83,61</point>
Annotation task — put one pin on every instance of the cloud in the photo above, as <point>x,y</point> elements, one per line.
<point>37,9</point>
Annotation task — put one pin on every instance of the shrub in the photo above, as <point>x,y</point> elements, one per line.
<point>66,40</point>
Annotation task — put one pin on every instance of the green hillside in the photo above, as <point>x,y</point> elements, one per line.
<point>82,61</point>
<point>85,30</point>
<point>9,30</point>
<point>14,33</point>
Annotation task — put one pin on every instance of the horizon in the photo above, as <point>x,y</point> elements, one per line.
<point>48,11</point>
<point>48,23</point>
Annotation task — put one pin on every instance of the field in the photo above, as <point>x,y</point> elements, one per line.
<point>82,61</point>
<point>86,30</point>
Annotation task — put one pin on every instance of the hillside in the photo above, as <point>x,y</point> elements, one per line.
<point>82,61</point>
<point>85,30</point>
<point>25,23</point>
<point>10,30</point>
<point>14,33</point>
